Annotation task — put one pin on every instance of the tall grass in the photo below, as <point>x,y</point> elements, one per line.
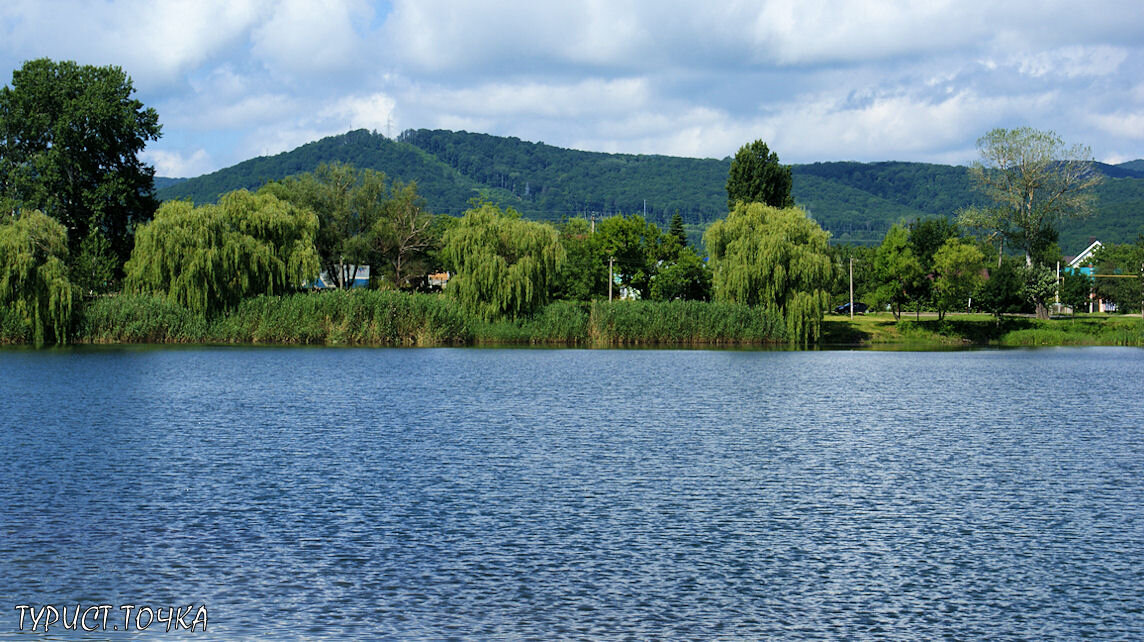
<point>13,327</point>
<point>370,317</point>
<point>366,317</point>
<point>620,323</point>
<point>386,318</point>
<point>136,318</point>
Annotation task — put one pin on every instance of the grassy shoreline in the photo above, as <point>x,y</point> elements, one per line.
<point>374,318</point>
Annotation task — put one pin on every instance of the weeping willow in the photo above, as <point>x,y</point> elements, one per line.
<point>774,258</point>
<point>209,258</point>
<point>505,266</point>
<point>33,274</point>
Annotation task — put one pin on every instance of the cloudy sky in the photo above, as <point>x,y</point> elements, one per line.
<point>860,80</point>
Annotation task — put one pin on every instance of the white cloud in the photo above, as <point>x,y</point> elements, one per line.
<point>1071,62</point>
<point>305,37</point>
<point>176,164</point>
<point>866,79</point>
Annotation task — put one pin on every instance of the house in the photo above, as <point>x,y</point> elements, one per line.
<point>439,280</point>
<point>1082,264</point>
<point>360,278</point>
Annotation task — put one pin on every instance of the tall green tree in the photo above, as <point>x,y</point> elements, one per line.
<point>348,203</point>
<point>1120,270</point>
<point>897,269</point>
<point>584,274</point>
<point>957,268</point>
<point>70,138</point>
<point>1035,181</point>
<point>773,257</point>
<point>1076,290</point>
<point>634,246</point>
<point>685,278</point>
<point>757,177</point>
<point>403,233</point>
<point>209,258</point>
<point>33,274</point>
<point>505,266</point>
<point>677,229</point>
<point>1002,291</point>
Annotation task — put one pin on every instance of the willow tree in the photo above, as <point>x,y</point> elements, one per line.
<point>505,266</point>
<point>209,258</point>
<point>33,274</point>
<point>773,258</point>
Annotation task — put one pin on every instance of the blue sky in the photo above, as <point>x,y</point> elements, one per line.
<point>818,81</point>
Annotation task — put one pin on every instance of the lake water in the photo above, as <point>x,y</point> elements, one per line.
<point>475,493</point>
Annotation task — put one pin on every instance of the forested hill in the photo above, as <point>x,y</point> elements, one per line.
<point>857,202</point>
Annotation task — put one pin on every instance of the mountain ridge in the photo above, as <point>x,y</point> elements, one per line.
<point>857,202</point>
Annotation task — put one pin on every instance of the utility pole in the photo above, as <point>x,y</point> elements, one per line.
<point>610,277</point>
<point>852,288</point>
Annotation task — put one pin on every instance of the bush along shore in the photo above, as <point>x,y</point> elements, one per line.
<point>388,318</point>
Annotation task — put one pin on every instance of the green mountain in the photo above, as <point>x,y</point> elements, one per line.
<point>857,202</point>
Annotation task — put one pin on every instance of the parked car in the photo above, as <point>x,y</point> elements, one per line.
<point>859,308</point>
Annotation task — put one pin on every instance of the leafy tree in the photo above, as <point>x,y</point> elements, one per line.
<point>757,177</point>
<point>1002,291</point>
<point>1122,267</point>
<point>1076,290</point>
<point>584,273</point>
<point>897,269</point>
<point>70,137</point>
<point>94,269</point>
<point>348,203</point>
<point>957,269</point>
<point>686,278</point>
<point>775,258</point>
<point>677,229</point>
<point>33,274</point>
<point>209,258</point>
<point>635,246</point>
<point>1034,181</point>
<point>505,266</point>
<point>404,231</point>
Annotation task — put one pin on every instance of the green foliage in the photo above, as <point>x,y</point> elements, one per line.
<point>773,258</point>
<point>1033,181</point>
<point>957,268</point>
<point>756,176</point>
<point>856,202</point>
<point>403,235</point>
<point>619,323</point>
<point>677,229</point>
<point>865,280</point>
<point>138,318</point>
<point>209,258</point>
<point>347,317</point>
<point>1075,291</point>
<point>70,136</point>
<point>1002,291</point>
<point>635,245</point>
<point>897,269</point>
<point>34,284</point>
<point>584,273</point>
<point>93,270</point>
<point>687,278</point>
<point>1121,266</point>
<point>505,266</point>
<point>348,203</point>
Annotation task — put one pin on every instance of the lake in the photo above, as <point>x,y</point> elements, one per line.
<point>485,493</point>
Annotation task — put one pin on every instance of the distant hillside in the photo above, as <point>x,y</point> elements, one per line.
<point>857,202</point>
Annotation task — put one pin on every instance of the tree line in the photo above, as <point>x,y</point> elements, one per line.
<point>80,223</point>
